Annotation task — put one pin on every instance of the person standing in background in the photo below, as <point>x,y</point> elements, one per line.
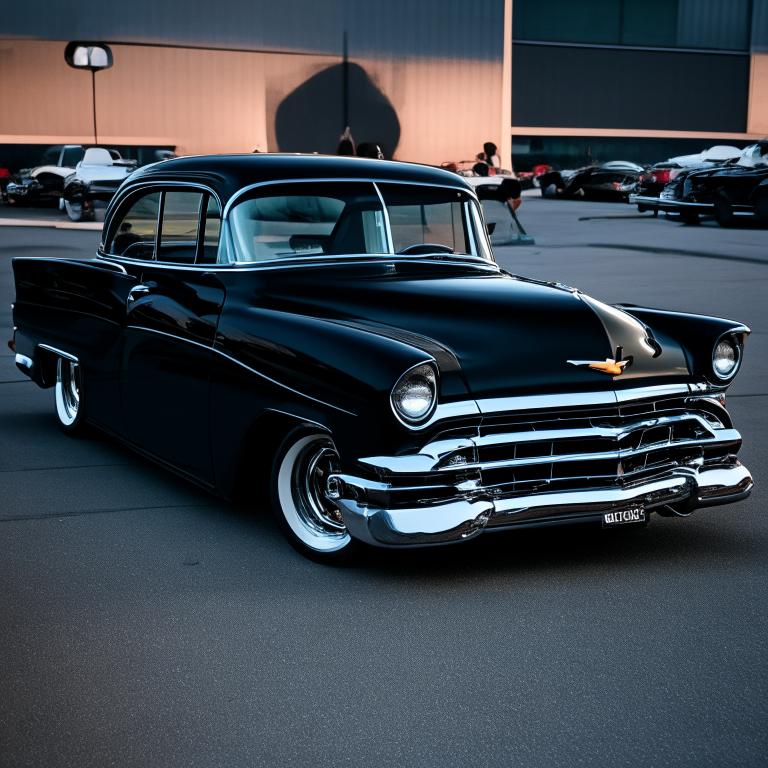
<point>493,160</point>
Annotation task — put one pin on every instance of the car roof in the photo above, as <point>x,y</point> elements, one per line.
<point>228,174</point>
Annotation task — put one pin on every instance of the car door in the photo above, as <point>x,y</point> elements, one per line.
<point>172,315</point>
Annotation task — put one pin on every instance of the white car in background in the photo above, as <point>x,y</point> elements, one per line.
<point>97,177</point>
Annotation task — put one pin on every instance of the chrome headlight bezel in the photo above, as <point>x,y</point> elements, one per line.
<point>421,374</point>
<point>732,340</point>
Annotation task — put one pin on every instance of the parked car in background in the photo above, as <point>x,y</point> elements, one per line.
<point>44,183</point>
<point>5,177</point>
<point>333,334</point>
<point>615,180</point>
<point>530,179</point>
<point>496,194</point>
<point>734,188</point>
<point>654,180</point>
<point>97,177</point>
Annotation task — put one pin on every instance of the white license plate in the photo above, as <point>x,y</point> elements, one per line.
<point>624,516</point>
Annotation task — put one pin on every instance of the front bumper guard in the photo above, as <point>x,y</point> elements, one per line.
<point>466,518</point>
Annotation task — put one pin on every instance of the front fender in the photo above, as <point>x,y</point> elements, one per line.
<point>696,335</point>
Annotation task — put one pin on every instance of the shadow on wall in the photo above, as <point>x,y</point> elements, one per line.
<point>311,118</point>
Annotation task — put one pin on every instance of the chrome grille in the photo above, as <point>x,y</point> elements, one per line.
<point>512,454</point>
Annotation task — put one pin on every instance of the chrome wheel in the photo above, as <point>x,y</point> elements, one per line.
<point>67,391</point>
<point>301,482</point>
<point>79,211</point>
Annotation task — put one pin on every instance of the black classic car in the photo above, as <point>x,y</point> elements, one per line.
<point>334,334</point>
<point>736,188</point>
<point>659,175</point>
<point>44,183</point>
<point>615,180</point>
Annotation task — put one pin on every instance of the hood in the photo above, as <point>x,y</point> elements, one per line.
<point>511,336</point>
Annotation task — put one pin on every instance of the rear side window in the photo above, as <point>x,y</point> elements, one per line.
<point>72,156</point>
<point>211,229</point>
<point>135,237</point>
<point>173,226</point>
<point>180,223</point>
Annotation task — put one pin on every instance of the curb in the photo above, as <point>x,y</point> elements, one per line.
<point>89,225</point>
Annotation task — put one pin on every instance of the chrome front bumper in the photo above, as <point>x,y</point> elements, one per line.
<point>541,460</point>
<point>459,520</point>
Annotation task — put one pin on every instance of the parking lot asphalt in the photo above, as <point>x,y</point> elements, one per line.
<point>144,622</point>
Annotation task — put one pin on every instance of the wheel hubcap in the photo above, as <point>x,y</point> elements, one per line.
<point>302,480</point>
<point>68,390</point>
<point>315,463</point>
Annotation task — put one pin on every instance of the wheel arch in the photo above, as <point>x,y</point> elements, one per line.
<point>258,446</point>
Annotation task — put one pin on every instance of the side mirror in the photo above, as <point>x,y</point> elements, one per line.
<point>490,227</point>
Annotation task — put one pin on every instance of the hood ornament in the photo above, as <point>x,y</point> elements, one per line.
<point>613,367</point>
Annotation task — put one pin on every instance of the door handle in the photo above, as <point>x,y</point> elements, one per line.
<point>135,293</point>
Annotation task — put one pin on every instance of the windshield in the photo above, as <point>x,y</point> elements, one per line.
<point>51,155</point>
<point>754,156</point>
<point>347,218</point>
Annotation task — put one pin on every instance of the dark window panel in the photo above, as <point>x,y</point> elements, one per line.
<point>554,86</point>
<point>716,24</point>
<point>587,21</point>
<point>650,22</point>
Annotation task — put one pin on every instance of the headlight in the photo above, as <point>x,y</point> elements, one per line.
<point>415,395</point>
<point>725,358</point>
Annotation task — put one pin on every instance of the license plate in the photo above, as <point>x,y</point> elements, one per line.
<point>624,516</point>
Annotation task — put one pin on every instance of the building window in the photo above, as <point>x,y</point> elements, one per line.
<point>707,24</point>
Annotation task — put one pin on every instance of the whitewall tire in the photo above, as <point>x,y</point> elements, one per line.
<point>309,520</point>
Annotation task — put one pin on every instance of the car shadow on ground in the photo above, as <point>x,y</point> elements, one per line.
<point>663,544</point>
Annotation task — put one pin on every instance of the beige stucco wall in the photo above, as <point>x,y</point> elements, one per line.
<point>757,120</point>
<point>225,101</point>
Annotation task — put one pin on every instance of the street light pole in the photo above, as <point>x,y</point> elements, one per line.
<point>93,56</point>
<point>95,132</point>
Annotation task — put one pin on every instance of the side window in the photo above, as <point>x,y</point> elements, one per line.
<point>178,233</point>
<point>135,237</point>
<point>210,249</point>
<point>72,156</point>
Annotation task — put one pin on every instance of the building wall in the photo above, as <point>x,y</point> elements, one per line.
<point>758,95</point>
<point>204,101</point>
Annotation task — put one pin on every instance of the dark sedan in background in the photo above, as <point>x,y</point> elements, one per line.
<point>614,180</point>
<point>660,174</point>
<point>728,190</point>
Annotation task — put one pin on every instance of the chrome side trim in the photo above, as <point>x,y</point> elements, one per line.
<point>238,362</point>
<point>273,264</point>
<point>58,352</point>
